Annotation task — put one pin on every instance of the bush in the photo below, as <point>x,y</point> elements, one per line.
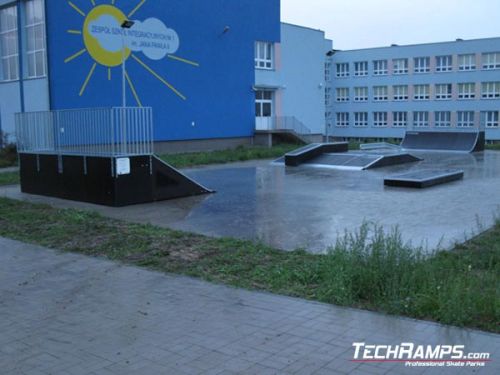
<point>8,152</point>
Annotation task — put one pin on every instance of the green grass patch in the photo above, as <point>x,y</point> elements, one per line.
<point>227,156</point>
<point>368,269</point>
<point>8,155</point>
<point>9,178</point>
<point>493,146</point>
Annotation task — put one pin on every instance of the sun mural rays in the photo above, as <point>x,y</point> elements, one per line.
<point>104,42</point>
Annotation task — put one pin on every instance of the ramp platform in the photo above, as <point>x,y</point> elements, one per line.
<point>336,156</point>
<point>461,141</point>
<point>109,181</point>
<point>424,179</point>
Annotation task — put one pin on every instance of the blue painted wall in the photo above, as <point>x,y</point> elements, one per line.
<point>219,96</point>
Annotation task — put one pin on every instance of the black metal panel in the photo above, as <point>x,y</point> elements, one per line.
<point>94,179</point>
<point>170,183</point>
<point>303,154</point>
<point>424,179</point>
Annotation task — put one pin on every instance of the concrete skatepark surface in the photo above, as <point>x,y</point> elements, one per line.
<point>304,207</point>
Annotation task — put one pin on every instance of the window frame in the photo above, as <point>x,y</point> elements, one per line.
<point>342,94</point>
<point>467,66</point>
<point>360,119</point>
<point>398,70</point>
<point>397,97</point>
<point>466,119</point>
<point>490,94</point>
<point>418,96</point>
<point>447,95</point>
<point>342,119</point>
<point>397,122</point>
<point>11,58</point>
<point>380,97</point>
<point>421,119</point>
<point>488,63</point>
<point>264,61</point>
<point>342,70</point>
<point>444,68</point>
<point>378,70</point>
<point>360,68</point>
<point>419,68</point>
<point>468,94</point>
<point>439,122</point>
<point>361,94</point>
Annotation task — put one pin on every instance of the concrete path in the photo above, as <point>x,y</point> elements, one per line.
<point>71,315</point>
<point>9,169</point>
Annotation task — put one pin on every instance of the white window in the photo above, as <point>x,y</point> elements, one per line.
<point>342,70</point>
<point>264,103</point>
<point>328,95</point>
<point>380,93</point>
<point>360,119</point>
<point>465,119</point>
<point>400,92</point>
<point>444,63</point>
<point>422,92</point>
<point>467,62</point>
<point>490,90</point>
<point>35,38</point>
<point>490,119</point>
<point>466,90</point>
<point>422,64</point>
<point>400,66</point>
<point>421,119</point>
<point>444,91</point>
<point>342,119</point>
<point>9,55</point>
<point>264,55</point>
<point>379,119</point>
<point>491,60</point>
<point>328,67</point>
<point>361,94</point>
<point>399,119</point>
<point>361,68</point>
<point>442,119</point>
<point>342,94</point>
<point>380,68</point>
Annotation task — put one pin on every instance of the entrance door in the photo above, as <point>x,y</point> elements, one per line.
<point>264,110</point>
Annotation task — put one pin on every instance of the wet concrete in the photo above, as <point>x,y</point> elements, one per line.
<point>307,207</point>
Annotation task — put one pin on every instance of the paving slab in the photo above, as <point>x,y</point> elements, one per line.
<point>69,314</point>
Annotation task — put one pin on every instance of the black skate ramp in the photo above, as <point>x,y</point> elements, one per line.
<point>444,141</point>
<point>96,180</point>
<point>424,178</point>
<point>306,153</point>
<point>361,161</point>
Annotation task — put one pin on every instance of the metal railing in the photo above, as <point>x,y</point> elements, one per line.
<point>90,132</point>
<point>282,123</point>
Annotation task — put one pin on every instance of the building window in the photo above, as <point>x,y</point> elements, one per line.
<point>400,66</point>
<point>264,55</point>
<point>361,94</point>
<point>422,92</point>
<point>380,93</point>
<point>490,90</point>
<point>380,68</point>
<point>422,65</point>
<point>328,95</point>
<point>491,60</point>
<point>400,93</point>
<point>264,103</point>
<point>343,119</point>
<point>444,63</point>
<point>379,119</point>
<point>420,119</point>
<point>328,67</point>
<point>442,119</point>
<point>465,119</point>
<point>342,70</point>
<point>9,55</point>
<point>444,91</point>
<point>35,38</point>
<point>343,94</point>
<point>491,119</point>
<point>466,90</point>
<point>399,119</point>
<point>467,62</point>
<point>360,119</point>
<point>361,68</point>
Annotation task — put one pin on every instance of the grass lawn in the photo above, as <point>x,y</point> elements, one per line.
<point>369,269</point>
<point>228,156</point>
<point>9,178</point>
<point>495,146</point>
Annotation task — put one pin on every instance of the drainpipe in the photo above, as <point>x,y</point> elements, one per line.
<point>20,51</point>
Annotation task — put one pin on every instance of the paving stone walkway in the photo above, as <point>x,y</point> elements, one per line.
<point>71,315</point>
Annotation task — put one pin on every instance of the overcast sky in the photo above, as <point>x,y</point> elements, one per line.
<point>374,23</point>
